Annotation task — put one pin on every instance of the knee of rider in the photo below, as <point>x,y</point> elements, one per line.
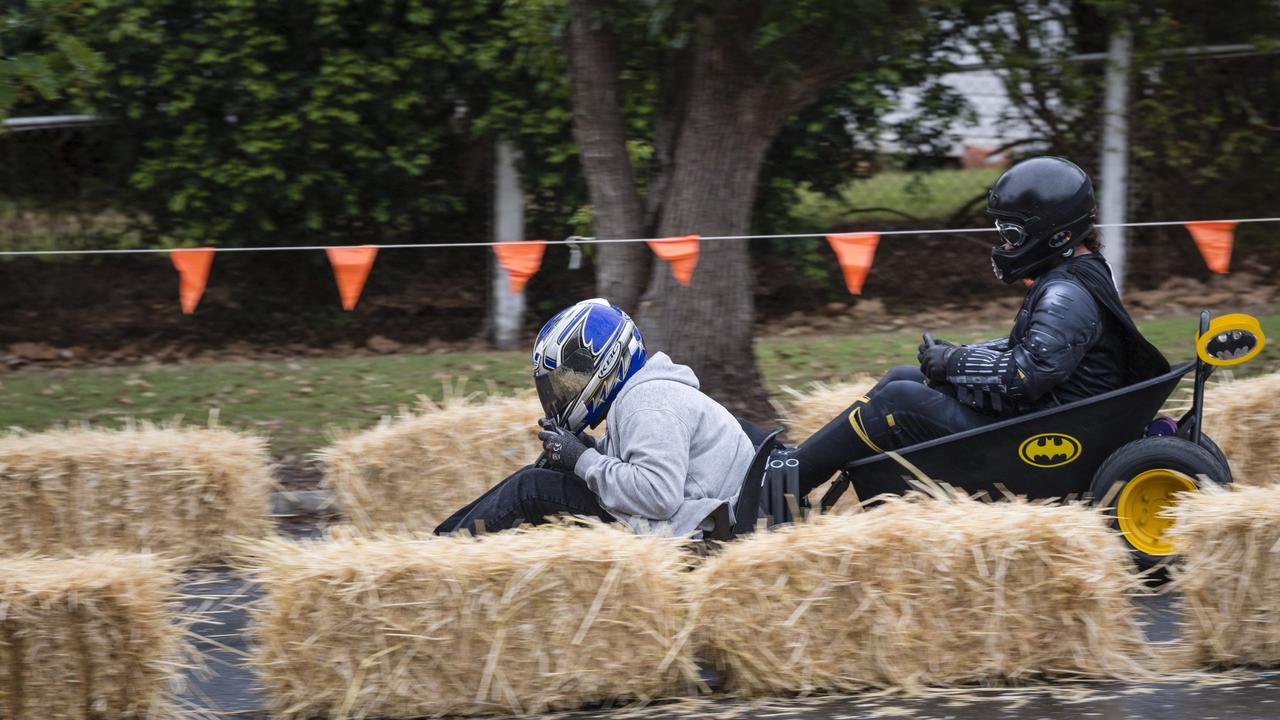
<point>525,484</point>
<point>895,396</point>
<point>902,373</point>
<point>901,393</point>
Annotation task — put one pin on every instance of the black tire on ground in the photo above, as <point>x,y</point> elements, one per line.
<point>1207,443</point>
<point>1159,453</point>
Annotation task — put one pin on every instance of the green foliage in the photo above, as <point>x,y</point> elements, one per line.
<point>1203,129</point>
<point>292,123</point>
<point>370,120</point>
<point>902,45</point>
<point>242,122</point>
<point>1206,129</point>
<point>44,63</point>
<point>526,101</point>
<point>893,195</point>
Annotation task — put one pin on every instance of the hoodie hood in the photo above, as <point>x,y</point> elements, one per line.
<point>659,367</point>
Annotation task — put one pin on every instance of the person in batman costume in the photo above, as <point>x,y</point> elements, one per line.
<point>1072,338</point>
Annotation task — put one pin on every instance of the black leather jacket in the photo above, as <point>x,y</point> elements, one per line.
<point>1063,347</point>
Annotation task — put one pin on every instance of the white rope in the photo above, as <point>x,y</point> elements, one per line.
<point>589,240</point>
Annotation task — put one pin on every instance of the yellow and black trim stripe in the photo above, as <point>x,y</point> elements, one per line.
<point>855,419</point>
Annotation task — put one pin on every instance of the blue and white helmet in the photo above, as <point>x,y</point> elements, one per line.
<point>582,358</point>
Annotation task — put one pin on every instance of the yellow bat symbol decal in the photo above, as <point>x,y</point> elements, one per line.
<point>1049,450</point>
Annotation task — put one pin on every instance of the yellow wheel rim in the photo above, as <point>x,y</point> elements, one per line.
<point>1139,511</point>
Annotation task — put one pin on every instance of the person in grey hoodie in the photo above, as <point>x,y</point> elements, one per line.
<point>670,455</point>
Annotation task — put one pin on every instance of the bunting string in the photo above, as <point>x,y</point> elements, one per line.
<point>602,241</point>
<point>521,260</point>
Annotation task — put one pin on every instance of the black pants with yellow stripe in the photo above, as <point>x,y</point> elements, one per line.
<point>900,410</point>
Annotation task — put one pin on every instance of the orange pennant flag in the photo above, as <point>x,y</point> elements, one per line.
<point>521,260</point>
<point>193,274</point>
<point>681,252</point>
<point>854,252</point>
<point>1214,238</point>
<point>351,266</point>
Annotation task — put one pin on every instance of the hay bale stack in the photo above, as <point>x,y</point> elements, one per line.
<point>922,593</point>
<point>1229,575</point>
<point>548,618</point>
<point>180,492</point>
<point>808,411</point>
<point>1243,417</point>
<point>412,472</point>
<point>94,637</point>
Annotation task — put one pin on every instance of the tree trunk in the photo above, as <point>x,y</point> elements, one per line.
<point>731,120</point>
<point>599,131</point>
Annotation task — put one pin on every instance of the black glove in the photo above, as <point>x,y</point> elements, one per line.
<point>563,449</point>
<point>929,342</point>
<point>933,361</point>
<point>550,425</point>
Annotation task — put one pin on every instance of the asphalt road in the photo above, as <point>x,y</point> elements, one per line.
<point>226,687</point>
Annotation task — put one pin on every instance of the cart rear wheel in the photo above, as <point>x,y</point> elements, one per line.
<point>1142,480</point>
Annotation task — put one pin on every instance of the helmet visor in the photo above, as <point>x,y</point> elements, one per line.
<point>559,388</point>
<point>552,406</point>
<point>1012,233</point>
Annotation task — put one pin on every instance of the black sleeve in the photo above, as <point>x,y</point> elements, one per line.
<point>1064,324</point>
<point>999,344</point>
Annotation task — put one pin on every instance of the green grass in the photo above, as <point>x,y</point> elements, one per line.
<point>296,402</point>
<point>933,195</point>
<point>293,402</point>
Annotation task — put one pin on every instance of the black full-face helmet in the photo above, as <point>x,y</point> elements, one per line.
<point>1043,208</point>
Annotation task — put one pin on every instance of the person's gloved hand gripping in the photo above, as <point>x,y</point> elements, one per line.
<point>933,357</point>
<point>564,448</point>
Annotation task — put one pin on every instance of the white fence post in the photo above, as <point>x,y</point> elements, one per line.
<point>1114,169</point>
<point>508,226</point>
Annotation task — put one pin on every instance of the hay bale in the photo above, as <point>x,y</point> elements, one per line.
<point>92,637</point>
<point>1229,575</point>
<point>552,617</point>
<point>412,472</point>
<point>922,593</point>
<point>807,411</point>
<point>1243,417</point>
<point>181,492</point>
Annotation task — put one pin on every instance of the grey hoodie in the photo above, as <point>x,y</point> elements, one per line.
<point>670,456</point>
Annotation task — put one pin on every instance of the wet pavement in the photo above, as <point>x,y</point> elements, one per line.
<point>226,686</point>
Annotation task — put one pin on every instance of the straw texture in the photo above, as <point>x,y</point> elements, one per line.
<point>545,618</point>
<point>96,637</point>
<point>1229,575</point>
<point>1243,417</point>
<point>809,410</point>
<point>180,492</point>
<point>922,592</point>
<point>412,472</point>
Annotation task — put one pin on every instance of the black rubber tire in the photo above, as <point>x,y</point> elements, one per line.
<point>1207,443</point>
<point>1151,453</point>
